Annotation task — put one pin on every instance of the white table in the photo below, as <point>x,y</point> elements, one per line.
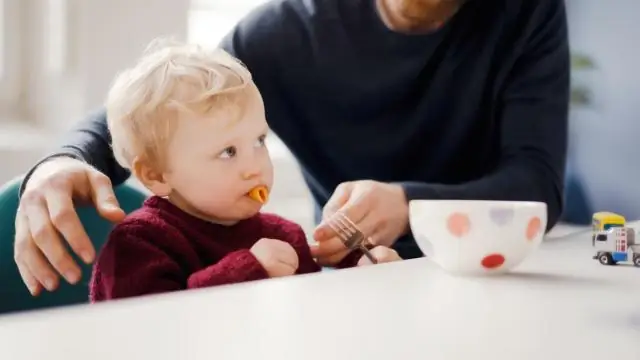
<point>560,304</point>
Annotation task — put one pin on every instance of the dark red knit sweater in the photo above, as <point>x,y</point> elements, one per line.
<point>159,248</point>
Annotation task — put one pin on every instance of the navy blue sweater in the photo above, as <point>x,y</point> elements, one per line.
<point>477,110</point>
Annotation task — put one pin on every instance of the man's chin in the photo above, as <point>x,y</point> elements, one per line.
<point>410,24</point>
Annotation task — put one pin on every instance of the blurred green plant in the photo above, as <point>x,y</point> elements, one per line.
<point>581,95</point>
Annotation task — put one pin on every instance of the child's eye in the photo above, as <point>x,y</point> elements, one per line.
<point>261,141</point>
<point>229,152</point>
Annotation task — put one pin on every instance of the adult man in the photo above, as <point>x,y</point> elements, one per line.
<point>381,102</point>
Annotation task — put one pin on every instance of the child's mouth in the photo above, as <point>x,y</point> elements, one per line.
<point>259,194</point>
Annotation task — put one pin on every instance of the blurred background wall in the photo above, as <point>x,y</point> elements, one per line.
<point>605,122</point>
<point>57,58</point>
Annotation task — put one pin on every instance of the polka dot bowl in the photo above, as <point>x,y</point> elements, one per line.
<point>477,237</point>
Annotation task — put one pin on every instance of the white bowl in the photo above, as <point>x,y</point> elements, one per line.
<point>477,237</point>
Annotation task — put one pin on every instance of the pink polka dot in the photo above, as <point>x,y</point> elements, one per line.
<point>458,224</point>
<point>533,228</point>
<point>492,261</point>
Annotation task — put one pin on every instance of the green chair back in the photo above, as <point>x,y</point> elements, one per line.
<point>14,295</point>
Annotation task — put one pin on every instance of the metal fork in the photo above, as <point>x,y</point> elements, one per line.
<point>350,235</point>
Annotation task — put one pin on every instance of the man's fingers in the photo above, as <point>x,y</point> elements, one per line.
<point>23,237</point>
<point>65,219</point>
<point>385,254</point>
<point>365,261</point>
<point>358,205</point>
<point>382,254</point>
<point>104,198</point>
<point>377,230</point>
<point>331,228</point>
<point>355,209</point>
<point>333,259</point>
<point>35,288</point>
<point>369,225</point>
<point>337,200</point>
<point>328,248</point>
<point>39,267</point>
<point>48,240</point>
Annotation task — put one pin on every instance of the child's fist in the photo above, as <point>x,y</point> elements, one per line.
<point>277,257</point>
<point>382,253</point>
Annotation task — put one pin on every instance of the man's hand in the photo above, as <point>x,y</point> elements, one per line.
<point>382,254</point>
<point>277,257</point>
<point>46,218</point>
<point>380,210</point>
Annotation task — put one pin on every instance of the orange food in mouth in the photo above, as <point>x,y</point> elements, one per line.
<point>259,194</point>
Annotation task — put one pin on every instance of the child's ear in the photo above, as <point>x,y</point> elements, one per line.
<point>151,177</point>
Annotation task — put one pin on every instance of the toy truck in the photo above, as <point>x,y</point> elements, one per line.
<point>613,240</point>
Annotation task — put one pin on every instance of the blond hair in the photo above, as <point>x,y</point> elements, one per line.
<point>144,101</point>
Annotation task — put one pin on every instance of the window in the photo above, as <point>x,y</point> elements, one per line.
<point>56,28</point>
<point>609,226</point>
<point>211,20</point>
<point>10,54</point>
<point>3,32</point>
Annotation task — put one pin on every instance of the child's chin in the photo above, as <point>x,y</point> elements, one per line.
<point>232,219</point>
<point>243,212</point>
<point>252,210</point>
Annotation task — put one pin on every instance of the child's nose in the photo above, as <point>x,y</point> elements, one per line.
<point>251,166</point>
<point>251,172</point>
<point>249,175</point>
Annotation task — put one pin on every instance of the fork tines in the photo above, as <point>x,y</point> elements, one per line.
<point>348,232</point>
<point>352,237</point>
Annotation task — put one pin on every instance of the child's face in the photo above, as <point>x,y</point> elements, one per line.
<point>214,161</point>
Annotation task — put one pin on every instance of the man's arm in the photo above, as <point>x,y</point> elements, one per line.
<point>90,142</point>
<point>534,116</point>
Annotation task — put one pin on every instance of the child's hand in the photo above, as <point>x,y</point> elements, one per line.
<point>382,253</point>
<point>277,257</point>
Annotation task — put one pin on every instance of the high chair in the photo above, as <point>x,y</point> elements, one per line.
<point>14,295</point>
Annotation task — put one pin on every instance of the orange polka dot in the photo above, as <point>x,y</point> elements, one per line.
<point>458,224</point>
<point>492,261</point>
<point>533,228</point>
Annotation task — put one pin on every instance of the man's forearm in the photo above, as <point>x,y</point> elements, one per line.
<point>534,122</point>
<point>89,141</point>
<point>518,181</point>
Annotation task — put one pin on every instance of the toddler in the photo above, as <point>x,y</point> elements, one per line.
<point>190,125</point>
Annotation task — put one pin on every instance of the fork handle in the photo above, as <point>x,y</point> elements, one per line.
<point>369,255</point>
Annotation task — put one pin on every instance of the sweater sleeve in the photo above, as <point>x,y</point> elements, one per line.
<point>306,263</point>
<point>88,141</point>
<point>292,233</point>
<point>134,262</point>
<point>534,116</point>
<point>238,266</point>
